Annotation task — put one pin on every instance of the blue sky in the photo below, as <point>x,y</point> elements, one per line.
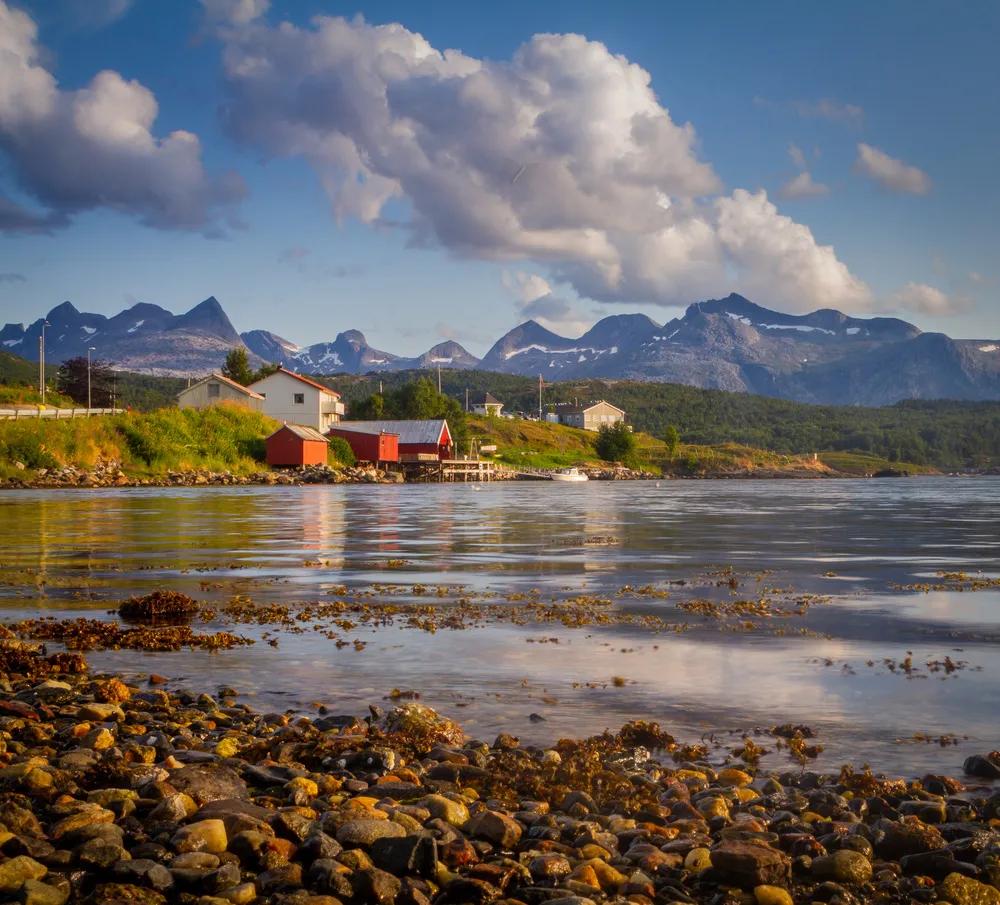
<point>872,128</point>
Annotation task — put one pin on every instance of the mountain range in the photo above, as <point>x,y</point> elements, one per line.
<point>728,344</point>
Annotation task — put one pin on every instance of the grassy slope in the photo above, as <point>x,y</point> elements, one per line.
<point>540,445</point>
<point>222,438</point>
<point>945,434</point>
<point>11,396</point>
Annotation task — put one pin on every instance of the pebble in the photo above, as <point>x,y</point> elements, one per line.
<point>199,799</point>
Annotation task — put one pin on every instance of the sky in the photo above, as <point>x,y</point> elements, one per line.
<point>444,171</point>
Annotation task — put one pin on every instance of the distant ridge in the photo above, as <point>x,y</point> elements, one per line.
<point>730,343</point>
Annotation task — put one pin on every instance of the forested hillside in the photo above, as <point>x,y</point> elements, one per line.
<point>945,433</point>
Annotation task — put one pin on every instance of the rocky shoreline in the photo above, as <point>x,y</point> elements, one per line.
<point>112,474</point>
<point>112,792</point>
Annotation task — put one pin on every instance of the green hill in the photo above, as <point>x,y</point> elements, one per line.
<point>944,434</point>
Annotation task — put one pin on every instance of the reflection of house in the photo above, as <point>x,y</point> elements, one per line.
<point>296,444</point>
<point>373,446</point>
<point>214,389</point>
<point>419,441</point>
<point>592,416</point>
<point>487,405</point>
<point>296,399</point>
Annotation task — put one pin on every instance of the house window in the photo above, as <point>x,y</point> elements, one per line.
<point>213,391</point>
<point>300,398</point>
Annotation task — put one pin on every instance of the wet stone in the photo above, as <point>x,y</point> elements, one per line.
<point>749,865</point>
<point>208,782</point>
<point>844,866</point>
<point>15,872</point>
<point>365,832</point>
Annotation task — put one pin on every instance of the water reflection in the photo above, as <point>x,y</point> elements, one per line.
<point>71,551</point>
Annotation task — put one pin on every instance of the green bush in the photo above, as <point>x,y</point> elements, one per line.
<point>27,447</point>
<point>340,451</point>
<point>615,443</point>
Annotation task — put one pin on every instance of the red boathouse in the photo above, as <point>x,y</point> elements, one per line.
<point>418,441</point>
<point>369,447</point>
<point>296,444</point>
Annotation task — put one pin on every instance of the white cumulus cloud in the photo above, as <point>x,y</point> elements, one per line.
<point>891,173</point>
<point>94,147</point>
<point>237,12</point>
<point>923,299</point>
<point>803,186</point>
<point>535,300</point>
<point>562,155</point>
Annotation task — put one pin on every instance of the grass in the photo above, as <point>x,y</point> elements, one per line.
<point>221,438</point>
<point>537,444</point>
<point>534,444</point>
<point>12,395</point>
<point>862,464</point>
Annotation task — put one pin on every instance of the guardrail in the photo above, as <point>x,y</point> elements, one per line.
<point>53,413</point>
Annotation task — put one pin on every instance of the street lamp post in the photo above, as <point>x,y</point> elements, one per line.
<point>89,350</point>
<point>41,362</point>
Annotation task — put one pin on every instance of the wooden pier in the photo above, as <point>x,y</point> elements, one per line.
<point>452,470</point>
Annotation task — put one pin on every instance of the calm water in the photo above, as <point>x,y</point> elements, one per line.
<point>79,551</point>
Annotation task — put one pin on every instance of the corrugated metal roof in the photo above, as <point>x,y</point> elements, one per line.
<point>302,431</point>
<point>407,431</point>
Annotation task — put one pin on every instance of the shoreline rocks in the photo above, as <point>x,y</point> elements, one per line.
<point>112,792</point>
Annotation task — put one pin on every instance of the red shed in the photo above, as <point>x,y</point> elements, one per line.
<point>369,447</point>
<point>428,440</point>
<point>296,444</point>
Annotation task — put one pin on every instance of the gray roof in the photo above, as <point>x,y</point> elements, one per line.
<point>581,409</point>
<point>302,431</point>
<point>407,431</point>
<point>488,399</point>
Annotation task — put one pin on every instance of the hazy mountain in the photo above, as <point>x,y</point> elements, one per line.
<point>730,343</point>
<point>144,338</point>
<point>268,345</point>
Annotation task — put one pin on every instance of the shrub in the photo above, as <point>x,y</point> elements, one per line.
<point>340,451</point>
<point>615,443</point>
<point>26,446</point>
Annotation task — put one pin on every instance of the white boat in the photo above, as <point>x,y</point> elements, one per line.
<point>569,474</point>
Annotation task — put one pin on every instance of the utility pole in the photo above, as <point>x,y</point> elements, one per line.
<point>41,362</point>
<point>89,350</point>
<point>467,399</point>
<point>539,397</point>
<point>439,378</point>
<point>114,390</point>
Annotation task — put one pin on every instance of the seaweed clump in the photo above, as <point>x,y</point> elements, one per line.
<point>160,606</point>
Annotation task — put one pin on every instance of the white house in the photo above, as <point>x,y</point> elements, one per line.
<point>592,416</point>
<point>487,405</point>
<point>295,399</point>
<point>214,389</point>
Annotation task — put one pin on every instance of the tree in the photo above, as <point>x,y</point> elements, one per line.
<point>237,367</point>
<point>615,443</point>
<point>672,437</point>
<point>71,380</point>
<point>370,409</point>
<point>265,371</point>
<point>420,399</point>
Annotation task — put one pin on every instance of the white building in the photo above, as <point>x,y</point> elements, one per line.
<point>295,399</point>
<point>487,405</point>
<point>214,389</point>
<point>592,416</point>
